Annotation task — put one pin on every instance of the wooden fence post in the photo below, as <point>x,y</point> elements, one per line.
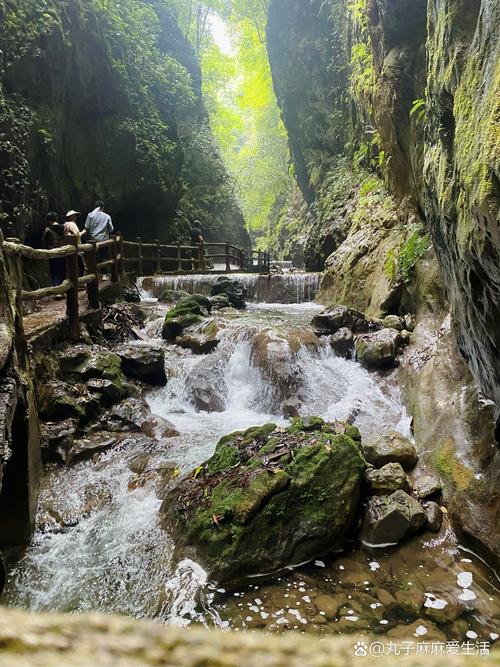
<point>121,251</point>
<point>201,257</point>
<point>15,271</point>
<point>72,304</point>
<point>158,256</point>
<point>228,259</point>
<point>115,278</point>
<point>179,257</point>
<point>92,287</point>
<point>139,256</point>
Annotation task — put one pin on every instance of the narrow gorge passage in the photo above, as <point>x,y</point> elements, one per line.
<point>99,546</point>
<point>249,333</point>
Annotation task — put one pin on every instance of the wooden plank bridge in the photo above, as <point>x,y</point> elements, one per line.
<point>123,259</point>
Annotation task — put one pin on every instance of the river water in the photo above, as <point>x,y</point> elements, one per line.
<point>110,554</point>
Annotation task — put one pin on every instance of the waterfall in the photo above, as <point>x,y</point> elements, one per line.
<point>273,288</point>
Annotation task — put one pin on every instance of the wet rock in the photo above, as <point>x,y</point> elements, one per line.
<point>159,477</point>
<point>421,630</point>
<point>427,486</point>
<point>266,509</point>
<point>386,599</point>
<point>140,463</point>
<point>141,361</point>
<point>342,342</point>
<point>206,386</point>
<point>133,416</point>
<point>275,356</point>
<point>90,361</point>
<point>378,349</point>
<point>60,400</point>
<point>434,516</point>
<point>220,301</point>
<point>85,448</point>
<point>410,600</point>
<point>391,448</point>
<point>442,606</point>
<point>106,389</point>
<point>233,290</point>
<point>393,322</point>
<point>290,411</point>
<point>202,342</point>
<point>185,314</point>
<point>330,604</point>
<point>57,439</point>
<point>339,317</point>
<point>409,322</point>
<point>388,479</point>
<point>389,519</point>
<point>405,337</point>
<point>173,295</point>
<point>130,294</point>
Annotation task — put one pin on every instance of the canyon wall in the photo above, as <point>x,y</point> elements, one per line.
<point>396,147</point>
<point>103,100</point>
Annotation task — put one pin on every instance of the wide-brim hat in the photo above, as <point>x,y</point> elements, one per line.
<point>69,214</point>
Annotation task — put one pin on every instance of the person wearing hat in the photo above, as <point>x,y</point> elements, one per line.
<point>71,224</point>
<point>71,229</point>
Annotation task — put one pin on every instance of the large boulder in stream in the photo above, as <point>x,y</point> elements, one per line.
<point>378,349</point>
<point>338,317</point>
<point>268,498</point>
<point>185,314</point>
<point>276,355</point>
<point>233,290</point>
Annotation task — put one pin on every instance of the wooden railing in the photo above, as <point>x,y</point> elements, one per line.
<point>156,258</point>
<point>145,258</point>
<point>15,251</point>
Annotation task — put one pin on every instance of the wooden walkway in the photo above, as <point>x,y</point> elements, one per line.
<point>78,297</point>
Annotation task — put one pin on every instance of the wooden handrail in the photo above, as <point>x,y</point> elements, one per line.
<point>186,259</point>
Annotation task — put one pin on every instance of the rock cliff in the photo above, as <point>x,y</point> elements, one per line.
<point>104,100</point>
<point>396,148</point>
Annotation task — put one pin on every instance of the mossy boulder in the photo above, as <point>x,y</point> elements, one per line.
<point>234,291</point>
<point>268,498</point>
<point>173,295</point>
<point>185,314</point>
<point>84,362</point>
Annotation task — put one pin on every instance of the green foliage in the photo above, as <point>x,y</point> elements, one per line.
<point>244,117</point>
<point>399,265</point>
<point>419,111</point>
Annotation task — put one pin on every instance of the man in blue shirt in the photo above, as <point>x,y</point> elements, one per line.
<point>99,227</point>
<point>98,224</point>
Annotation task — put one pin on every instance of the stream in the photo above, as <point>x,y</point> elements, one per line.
<point>112,555</point>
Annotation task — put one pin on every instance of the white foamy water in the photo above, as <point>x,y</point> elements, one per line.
<point>282,288</point>
<point>116,558</point>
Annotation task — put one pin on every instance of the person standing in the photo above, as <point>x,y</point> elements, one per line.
<point>53,237</point>
<point>71,229</point>
<point>196,240</point>
<point>99,227</point>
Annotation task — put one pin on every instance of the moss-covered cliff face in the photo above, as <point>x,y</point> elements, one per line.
<point>462,173</point>
<point>104,100</point>
<point>410,91</point>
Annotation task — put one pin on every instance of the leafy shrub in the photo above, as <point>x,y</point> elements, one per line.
<point>399,266</point>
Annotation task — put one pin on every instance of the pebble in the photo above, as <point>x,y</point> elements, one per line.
<point>470,634</point>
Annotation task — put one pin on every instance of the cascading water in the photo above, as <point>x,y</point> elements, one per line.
<point>273,288</point>
<point>99,545</point>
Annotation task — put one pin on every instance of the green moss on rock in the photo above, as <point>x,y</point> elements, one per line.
<point>268,498</point>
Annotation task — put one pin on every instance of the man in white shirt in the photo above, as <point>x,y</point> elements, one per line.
<point>98,224</point>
